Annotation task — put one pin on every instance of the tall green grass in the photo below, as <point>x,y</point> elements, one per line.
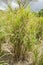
<point>24,29</point>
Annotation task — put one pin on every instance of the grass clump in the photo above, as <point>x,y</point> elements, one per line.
<point>23,29</point>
